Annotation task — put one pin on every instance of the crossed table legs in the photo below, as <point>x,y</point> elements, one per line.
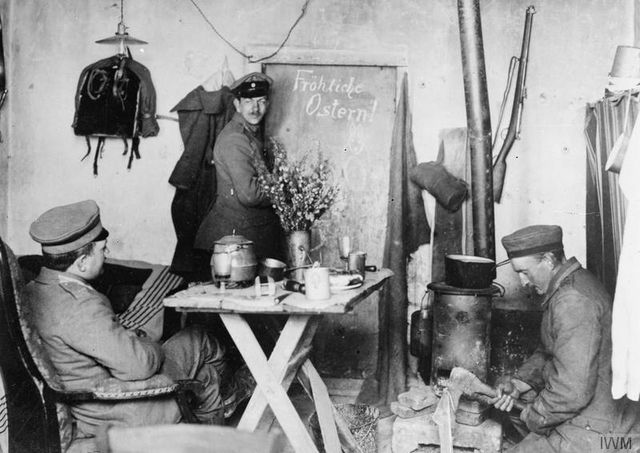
<point>288,359</point>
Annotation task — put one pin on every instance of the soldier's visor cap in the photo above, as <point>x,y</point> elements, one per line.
<point>67,228</point>
<point>253,85</point>
<point>533,239</point>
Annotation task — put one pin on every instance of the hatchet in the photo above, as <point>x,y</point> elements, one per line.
<point>471,386</point>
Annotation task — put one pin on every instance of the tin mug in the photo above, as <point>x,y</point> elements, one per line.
<point>357,261</point>
<point>316,282</point>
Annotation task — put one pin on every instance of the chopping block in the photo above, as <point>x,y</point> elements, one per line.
<point>411,433</point>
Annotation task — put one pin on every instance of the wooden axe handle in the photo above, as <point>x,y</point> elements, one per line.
<point>473,387</point>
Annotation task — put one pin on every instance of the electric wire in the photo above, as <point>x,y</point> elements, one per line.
<point>250,57</point>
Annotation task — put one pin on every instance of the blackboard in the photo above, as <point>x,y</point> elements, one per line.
<point>347,113</point>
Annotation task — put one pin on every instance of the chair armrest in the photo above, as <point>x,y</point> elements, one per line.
<point>115,389</point>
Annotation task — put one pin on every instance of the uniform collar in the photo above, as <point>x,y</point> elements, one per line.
<point>49,276</point>
<point>566,269</point>
<point>250,128</point>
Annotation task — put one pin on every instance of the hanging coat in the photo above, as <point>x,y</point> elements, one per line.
<point>202,116</point>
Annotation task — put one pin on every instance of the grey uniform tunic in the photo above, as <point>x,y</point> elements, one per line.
<point>571,370</point>
<point>88,346</point>
<point>240,205</point>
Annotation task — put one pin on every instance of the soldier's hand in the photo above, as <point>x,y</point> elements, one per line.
<point>507,394</point>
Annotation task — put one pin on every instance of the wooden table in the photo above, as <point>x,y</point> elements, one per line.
<point>289,358</point>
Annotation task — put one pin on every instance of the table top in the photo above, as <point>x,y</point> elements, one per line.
<point>209,298</point>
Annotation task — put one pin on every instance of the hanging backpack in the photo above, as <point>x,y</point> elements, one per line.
<point>115,98</point>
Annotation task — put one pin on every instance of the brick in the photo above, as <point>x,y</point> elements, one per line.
<point>418,398</point>
<point>406,412</point>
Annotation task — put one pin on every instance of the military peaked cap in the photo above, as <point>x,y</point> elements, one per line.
<point>252,85</point>
<point>67,228</point>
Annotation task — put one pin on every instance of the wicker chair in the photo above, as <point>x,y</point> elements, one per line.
<point>38,415</point>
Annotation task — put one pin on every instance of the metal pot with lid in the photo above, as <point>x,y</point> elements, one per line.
<point>234,259</point>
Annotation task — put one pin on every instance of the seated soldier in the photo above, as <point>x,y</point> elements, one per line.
<point>566,382</point>
<point>87,344</point>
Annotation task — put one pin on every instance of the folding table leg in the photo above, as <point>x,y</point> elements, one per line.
<point>324,409</point>
<point>294,339</point>
<point>267,382</point>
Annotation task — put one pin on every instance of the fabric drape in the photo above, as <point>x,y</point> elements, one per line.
<point>625,356</point>
<point>613,229</point>
<point>605,201</point>
<point>407,229</point>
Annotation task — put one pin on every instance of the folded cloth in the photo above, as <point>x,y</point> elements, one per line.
<point>433,177</point>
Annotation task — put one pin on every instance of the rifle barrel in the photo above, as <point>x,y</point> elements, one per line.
<point>518,97</point>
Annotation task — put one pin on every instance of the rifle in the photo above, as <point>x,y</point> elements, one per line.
<point>500,165</point>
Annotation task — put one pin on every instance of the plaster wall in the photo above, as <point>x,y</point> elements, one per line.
<point>48,43</point>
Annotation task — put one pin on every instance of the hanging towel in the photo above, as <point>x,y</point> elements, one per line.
<point>625,357</point>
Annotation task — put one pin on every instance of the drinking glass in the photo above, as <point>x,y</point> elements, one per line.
<point>222,268</point>
<point>344,248</point>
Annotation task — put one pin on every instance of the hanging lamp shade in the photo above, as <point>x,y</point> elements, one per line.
<point>121,36</point>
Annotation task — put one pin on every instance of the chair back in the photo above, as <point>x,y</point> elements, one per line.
<point>186,438</point>
<point>31,411</point>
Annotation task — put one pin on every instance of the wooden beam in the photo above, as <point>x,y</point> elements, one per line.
<point>306,55</point>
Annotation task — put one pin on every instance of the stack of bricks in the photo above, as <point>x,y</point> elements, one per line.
<point>415,431</point>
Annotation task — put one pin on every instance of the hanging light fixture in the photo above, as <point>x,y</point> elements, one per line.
<point>121,37</point>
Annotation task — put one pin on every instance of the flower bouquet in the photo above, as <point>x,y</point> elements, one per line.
<point>300,190</point>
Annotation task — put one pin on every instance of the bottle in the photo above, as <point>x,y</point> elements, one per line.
<point>420,336</point>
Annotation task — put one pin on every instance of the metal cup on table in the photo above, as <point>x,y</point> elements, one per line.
<point>357,262</point>
<point>316,280</point>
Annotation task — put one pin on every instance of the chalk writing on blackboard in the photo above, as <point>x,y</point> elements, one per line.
<point>347,114</point>
<point>327,97</point>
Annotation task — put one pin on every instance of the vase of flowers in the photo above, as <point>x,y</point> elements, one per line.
<point>298,246</point>
<point>301,191</point>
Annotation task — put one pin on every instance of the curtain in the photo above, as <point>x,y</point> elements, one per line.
<point>605,204</point>
<point>613,229</point>
<point>407,229</point>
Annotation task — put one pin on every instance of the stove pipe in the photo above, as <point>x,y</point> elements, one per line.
<point>478,127</point>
